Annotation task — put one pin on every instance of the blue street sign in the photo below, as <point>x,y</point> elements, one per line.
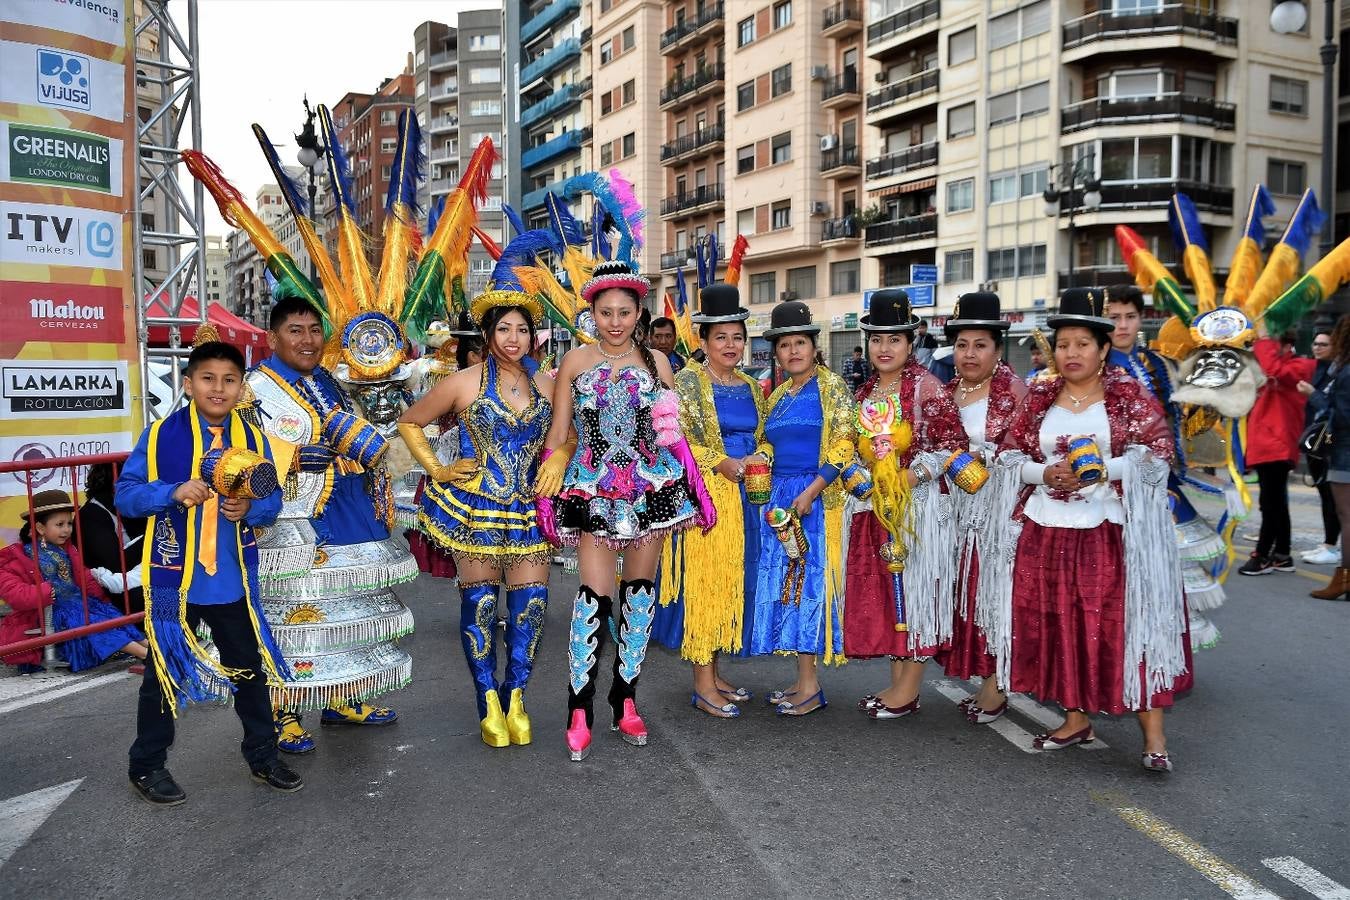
<point>920,273</point>
<point>921,295</point>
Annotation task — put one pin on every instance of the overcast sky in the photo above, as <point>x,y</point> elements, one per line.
<point>259,58</point>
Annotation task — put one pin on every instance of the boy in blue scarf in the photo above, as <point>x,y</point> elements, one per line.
<point>200,564</point>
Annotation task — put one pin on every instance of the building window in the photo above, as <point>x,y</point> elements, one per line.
<point>745,159</point>
<point>485,75</point>
<point>1284,176</point>
<point>1034,99</point>
<point>388,145</point>
<point>629,38</point>
<point>802,282</point>
<point>961,120</point>
<point>1020,24</point>
<point>961,46</point>
<point>385,172</point>
<point>476,138</point>
<point>958,267</point>
<point>606,153</point>
<point>1031,260</point>
<point>1034,182</point>
<point>606,52</point>
<point>629,144</point>
<point>483,42</point>
<point>388,117</point>
<point>782,80</point>
<point>961,195</point>
<point>845,276</point>
<point>745,96</point>
<point>745,221</point>
<point>745,31</point>
<point>780,215</point>
<point>1002,187</point>
<point>485,108</point>
<point>629,91</point>
<point>762,287</point>
<point>1002,108</point>
<point>782,17</point>
<point>606,103</point>
<point>1002,264</point>
<point>1288,95</point>
<point>780,148</point>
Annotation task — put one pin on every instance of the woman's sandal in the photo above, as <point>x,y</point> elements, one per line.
<point>726,711</point>
<point>739,695</point>
<point>795,709</point>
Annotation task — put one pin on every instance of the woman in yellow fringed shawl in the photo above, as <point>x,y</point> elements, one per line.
<point>799,603</point>
<point>708,580</point>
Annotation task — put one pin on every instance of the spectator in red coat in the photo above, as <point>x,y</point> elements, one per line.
<point>1273,429</point>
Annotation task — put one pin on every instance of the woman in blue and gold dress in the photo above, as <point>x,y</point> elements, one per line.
<point>481,508</point>
<point>799,604</point>
<point>707,581</point>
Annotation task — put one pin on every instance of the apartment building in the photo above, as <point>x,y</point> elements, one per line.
<point>458,76</point>
<point>545,87</point>
<point>217,277</point>
<point>975,110</point>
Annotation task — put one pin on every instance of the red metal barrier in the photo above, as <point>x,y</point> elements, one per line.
<point>75,465</point>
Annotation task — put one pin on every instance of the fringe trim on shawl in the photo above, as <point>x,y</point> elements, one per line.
<point>308,640</point>
<point>998,551</point>
<point>1155,620</point>
<point>930,570</point>
<point>835,527</point>
<point>709,569</point>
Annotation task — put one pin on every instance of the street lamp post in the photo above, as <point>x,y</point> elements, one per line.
<point>310,155</point>
<point>1290,17</point>
<point>1080,174</point>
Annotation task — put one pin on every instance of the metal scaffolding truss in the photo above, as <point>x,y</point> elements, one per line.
<point>167,75</point>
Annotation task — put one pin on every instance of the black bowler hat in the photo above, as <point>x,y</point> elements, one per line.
<point>790,317</point>
<point>719,302</point>
<point>978,309</point>
<point>889,311</point>
<point>1084,307</point>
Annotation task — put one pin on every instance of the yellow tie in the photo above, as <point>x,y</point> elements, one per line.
<point>206,552</point>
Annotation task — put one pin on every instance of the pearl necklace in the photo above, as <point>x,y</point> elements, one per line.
<point>967,391</point>
<point>600,348</point>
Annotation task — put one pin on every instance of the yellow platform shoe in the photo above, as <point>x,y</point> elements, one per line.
<point>517,720</point>
<point>494,725</point>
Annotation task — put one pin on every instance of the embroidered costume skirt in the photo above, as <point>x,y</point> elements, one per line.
<point>967,654</point>
<point>869,618</point>
<point>464,522</point>
<point>91,649</point>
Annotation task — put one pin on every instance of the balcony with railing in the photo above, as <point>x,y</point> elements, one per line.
<point>897,231</point>
<point>445,153</point>
<point>568,189</point>
<point>674,259</point>
<point>554,147</point>
<point>558,100</point>
<point>886,102</point>
<point>443,185</point>
<point>841,19</point>
<point>554,12</point>
<point>899,27</point>
<point>551,60</point>
<point>1170,20</point>
<point>1162,108</point>
<point>839,90</point>
<point>680,90</point>
<point>675,35</point>
<point>902,161</point>
<point>705,140</point>
<point>443,123</point>
<point>443,60</point>
<point>840,158</point>
<point>705,195</point>
<point>445,90</point>
<point>842,229</point>
<point>1215,198</point>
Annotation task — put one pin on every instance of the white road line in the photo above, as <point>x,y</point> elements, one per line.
<point>1230,879</point>
<point>21,816</point>
<point>1308,878</point>
<point>1046,719</point>
<point>78,684</point>
<point>1015,734</point>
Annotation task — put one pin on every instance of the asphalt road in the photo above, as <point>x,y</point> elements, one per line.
<point>831,805</point>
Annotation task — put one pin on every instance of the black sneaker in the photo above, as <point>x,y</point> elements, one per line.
<point>1282,563</point>
<point>278,775</point>
<point>1257,565</point>
<point>159,788</point>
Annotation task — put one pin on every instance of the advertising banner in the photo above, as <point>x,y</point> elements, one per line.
<point>68,382</point>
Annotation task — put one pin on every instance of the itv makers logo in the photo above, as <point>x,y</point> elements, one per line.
<point>65,313</point>
<point>63,79</point>
<point>50,235</point>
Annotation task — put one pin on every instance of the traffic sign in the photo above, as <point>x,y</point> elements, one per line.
<point>922,273</point>
<point>921,295</point>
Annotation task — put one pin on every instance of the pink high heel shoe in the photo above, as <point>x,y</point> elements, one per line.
<point>578,736</point>
<point>630,725</point>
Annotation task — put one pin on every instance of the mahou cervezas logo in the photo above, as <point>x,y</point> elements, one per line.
<point>63,79</point>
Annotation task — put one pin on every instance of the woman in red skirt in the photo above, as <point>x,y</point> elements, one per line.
<point>870,607</point>
<point>987,392</point>
<point>1097,611</point>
